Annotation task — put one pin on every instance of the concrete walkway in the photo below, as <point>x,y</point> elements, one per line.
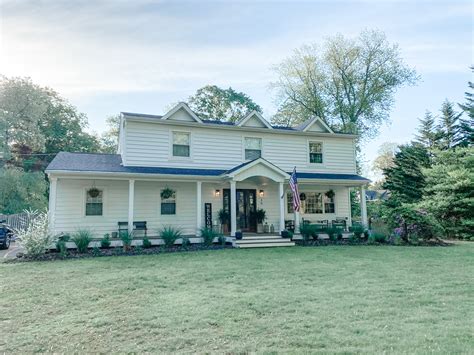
<point>10,253</point>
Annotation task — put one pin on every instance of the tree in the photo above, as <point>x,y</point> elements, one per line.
<point>448,126</point>
<point>428,134</point>
<point>37,123</point>
<point>109,139</point>
<point>384,159</point>
<point>405,178</point>
<point>214,103</point>
<point>449,191</point>
<point>22,103</point>
<point>466,126</point>
<point>20,190</point>
<point>349,83</point>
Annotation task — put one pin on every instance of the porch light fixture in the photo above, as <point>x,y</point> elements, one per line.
<point>217,193</point>
<point>261,193</point>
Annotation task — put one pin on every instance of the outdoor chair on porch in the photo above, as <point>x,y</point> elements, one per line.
<point>339,223</point>
<point>137,226</point>
<point>290,225</point>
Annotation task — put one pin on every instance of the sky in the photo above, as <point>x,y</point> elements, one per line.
<point>142,56</point>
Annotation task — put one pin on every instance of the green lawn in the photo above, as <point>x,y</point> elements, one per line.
<point>328,299</point>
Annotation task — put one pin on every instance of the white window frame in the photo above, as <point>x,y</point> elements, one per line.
<point>323,152</point>
<point>175,203</point>
<point>172,157</point>
<point>104,201</point>
<point>243,146</point>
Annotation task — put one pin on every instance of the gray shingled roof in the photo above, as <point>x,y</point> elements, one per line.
<point>112,163</point>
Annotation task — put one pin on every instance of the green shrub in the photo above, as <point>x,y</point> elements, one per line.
<point>208,235</point>
<point>222,240</point>
<point>126,237</point>
<point>96,250</point>
<point>138,249</point>
<point>339,234</point>
<point>105,241</point>
<point>332,233</point>
<point>82,238</point>
<point>146,243</point>
<point>376,237</point>
<point>307,231</point>
<point>357,231</point>
<point>36,239</point>
<point>169,235</point>
<point>185,242</point>
<point>61,244</point>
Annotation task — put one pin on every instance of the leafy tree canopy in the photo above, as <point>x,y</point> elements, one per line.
<point>350,83</point>
<point>109,139</point>
<point>36,123</point>
<point>214,103</point>
<point>20,190</point>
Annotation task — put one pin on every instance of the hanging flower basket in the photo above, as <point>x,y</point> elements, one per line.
<point>93,192</point>
<point>330,193</point>
<point>302,196</point>
<point>167,193</point>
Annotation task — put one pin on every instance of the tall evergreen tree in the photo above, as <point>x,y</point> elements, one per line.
<point>428,135</point>
<point>466,125</point>
<point>405,178</point>
<point>449,125</point>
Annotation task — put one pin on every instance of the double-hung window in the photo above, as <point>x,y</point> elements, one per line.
<point>253,148</point>
<point>181,144</point>
<point>314,203</point>
<point>94,202</point>
<point>329,205</point>
<point>315,152</point>
<point>168,205</point>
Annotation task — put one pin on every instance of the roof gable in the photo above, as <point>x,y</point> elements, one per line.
<point>254,119</point>
<point>181,112</point>
<point>257,167</point>
<point>315,124</point>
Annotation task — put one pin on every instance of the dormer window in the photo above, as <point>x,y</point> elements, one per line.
<point>181,144</point>
<point>315,152</point>
<point>253,148</point>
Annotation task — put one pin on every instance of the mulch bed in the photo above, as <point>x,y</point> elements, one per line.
<point>346,241</point>
<point>118,251</point>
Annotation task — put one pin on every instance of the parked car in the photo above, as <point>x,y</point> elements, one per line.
<point>6,235</point>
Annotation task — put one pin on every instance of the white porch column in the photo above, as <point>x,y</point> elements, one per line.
<point>53,183</point>
<point>349,219</point>
<point>131,198</point>
<point>282,207</point>
<point>297,222</point>
<point>198,207</point>
<point>363,207</point>
<point>233,209</point>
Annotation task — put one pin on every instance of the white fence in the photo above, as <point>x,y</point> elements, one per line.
<point>19,221</point>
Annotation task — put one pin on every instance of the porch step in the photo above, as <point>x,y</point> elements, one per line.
<point>266,245</point>
<point>264,242</point>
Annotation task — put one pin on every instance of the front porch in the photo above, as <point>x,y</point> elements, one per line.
<point>195,202</point>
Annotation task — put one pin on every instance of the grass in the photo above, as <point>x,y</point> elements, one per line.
<point>328,299</point>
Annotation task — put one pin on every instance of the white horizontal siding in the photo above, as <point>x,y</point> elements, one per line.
<point>148,144</point>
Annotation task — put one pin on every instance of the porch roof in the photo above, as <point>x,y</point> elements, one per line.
<point>112,163</point>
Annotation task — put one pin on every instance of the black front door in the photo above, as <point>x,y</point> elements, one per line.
<point>245,206</point>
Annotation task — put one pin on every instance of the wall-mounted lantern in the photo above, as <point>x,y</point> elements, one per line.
<point>217,193</point>
<point>261,193</point>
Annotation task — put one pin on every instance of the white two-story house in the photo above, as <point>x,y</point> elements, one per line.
<point>205,166</point>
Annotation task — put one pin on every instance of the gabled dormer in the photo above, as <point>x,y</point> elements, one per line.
<point>181,112</point>
<point>254,119</point>
<point>315,124</point>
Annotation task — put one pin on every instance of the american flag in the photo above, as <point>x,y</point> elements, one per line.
<point>294,189</point>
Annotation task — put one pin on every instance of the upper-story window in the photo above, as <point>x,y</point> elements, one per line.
<point>253,148</point>
<point>181,144</point>
<point>315,152</point>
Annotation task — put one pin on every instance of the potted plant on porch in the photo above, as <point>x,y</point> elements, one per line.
<point>224,218</point>
<point>260,216</point>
